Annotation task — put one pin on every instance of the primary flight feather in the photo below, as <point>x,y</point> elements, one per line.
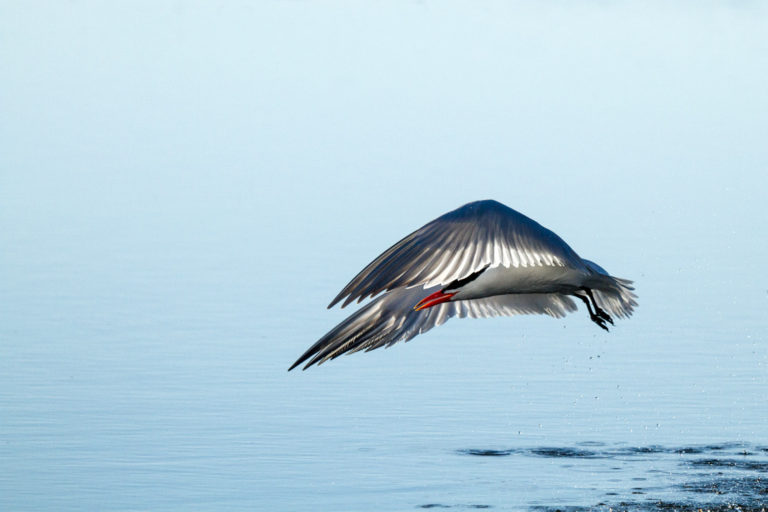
<point>481,260</point>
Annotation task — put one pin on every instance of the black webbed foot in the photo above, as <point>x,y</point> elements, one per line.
<point>599,321</point>
<point>597,315</point>
<point>602,314</point>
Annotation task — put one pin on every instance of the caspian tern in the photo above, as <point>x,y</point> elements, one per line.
<point>481,260</point>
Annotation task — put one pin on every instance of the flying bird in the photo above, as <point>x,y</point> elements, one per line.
<point>481,260</point>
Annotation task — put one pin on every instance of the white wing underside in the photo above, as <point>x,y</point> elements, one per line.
<point>391,318</point>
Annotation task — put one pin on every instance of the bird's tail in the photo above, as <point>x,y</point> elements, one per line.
<point>613,294</point>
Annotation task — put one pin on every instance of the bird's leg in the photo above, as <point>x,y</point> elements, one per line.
<point>598,310</point>
<point>599,320</point>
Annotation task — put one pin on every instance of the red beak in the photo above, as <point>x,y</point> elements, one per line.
<point>433,300</point>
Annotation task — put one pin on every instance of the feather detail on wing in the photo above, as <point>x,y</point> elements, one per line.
<point>475,236</point>
<point>391,318</point>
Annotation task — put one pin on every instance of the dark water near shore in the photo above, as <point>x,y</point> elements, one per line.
<point>713,477</point>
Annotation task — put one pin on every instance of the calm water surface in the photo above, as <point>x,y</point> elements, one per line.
<point>134,379</point>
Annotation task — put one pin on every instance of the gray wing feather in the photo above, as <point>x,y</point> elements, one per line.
<point>391,318</point>
<point>475,236</point>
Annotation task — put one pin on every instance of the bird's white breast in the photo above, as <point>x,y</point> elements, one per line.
<point>503,280</point>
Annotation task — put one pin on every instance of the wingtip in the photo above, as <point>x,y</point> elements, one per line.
<point>307,355</point>
<point>298,363</point>
<point>337,300</point>
<point>300,360</point>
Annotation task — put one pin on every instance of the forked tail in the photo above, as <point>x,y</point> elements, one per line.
<point>613,294</point>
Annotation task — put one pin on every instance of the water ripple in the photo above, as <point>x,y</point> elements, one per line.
<point>725,487</point>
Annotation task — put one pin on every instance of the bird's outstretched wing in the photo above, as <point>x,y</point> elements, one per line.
<point>391,318</point>
<point>475,236</point>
